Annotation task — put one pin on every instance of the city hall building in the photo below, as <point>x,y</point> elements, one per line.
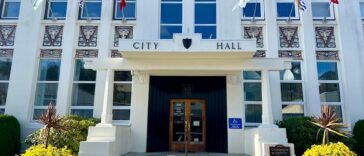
<point>162,73</point>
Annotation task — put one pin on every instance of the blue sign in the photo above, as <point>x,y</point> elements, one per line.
<point>235,123</point>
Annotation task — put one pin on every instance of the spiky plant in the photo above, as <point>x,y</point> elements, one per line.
<point>50,120</point>
<point>329,123</point>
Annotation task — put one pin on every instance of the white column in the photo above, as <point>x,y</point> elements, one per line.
<point>267,112</point>
<point>106,115</point>
<point>310,75</point>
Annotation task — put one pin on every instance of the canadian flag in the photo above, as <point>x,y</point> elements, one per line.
<point>335,1</point>
<point>122,4</point>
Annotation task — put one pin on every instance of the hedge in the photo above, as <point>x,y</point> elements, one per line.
<point>9,135</point>
<point>358,135</point>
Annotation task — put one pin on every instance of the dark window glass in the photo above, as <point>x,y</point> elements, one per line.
<point>208,32</point>
<point>38,112</point>
<point>330,92</point>
<point>252,75</point>
<point>286,10</point>
<point>293,74</point>
<point>5,67</point>
<point>91,9</point>
<point>171,14</point>
<point>3,93</point>
<point>121,114</point>
<point>2,111</point>
<point>252,8</point>
<point>11,9</point>
<point>168,31</point>
<point>205,13</point>
<point>122,95</point>
<point>292,111</point>
<point>321,9</point>
<point>253,113</point>
<point>129,10</point>
<point>291,92</point>
<point>327,71</point>
<point>46,93</point>
<point>82,74</point>
<point>83,94</point>
<point>253,91</point>
<point>49,69</point>
<point>87,113</point>
<point>362,9</point>
<point>57,9</point>
<point>122,76</point>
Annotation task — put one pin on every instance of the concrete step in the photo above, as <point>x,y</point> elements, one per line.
<point>96,148</point>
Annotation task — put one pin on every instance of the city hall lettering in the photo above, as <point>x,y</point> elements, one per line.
<point>228,46</point>
<point>157,45</point>
<point>145,45</point>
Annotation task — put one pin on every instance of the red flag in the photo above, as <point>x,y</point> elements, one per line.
<point>335,1</point>
<point>122,4</point>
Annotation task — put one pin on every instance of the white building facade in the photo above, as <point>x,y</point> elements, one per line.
<point>160,65</point>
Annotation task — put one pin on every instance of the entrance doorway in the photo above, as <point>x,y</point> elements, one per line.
<point>187,125</point>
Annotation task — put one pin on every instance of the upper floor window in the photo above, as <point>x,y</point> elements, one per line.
<point>10,9</point>
<point>253,10</point>
<point>286,9</point>
<point>362,9</point>
<point>56,9</point>
<point>205,18</point>
<point>128,12</point>
<point>171,18</point>
<point>91,9</point>
<point>322,10</point>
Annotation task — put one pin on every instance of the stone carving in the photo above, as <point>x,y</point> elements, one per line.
<point>87,36</point>
<point>325,37</point>
<point>259,54</point>
<point>53,35</point>
<point>51,53</point>
<point>254,32</point>
<point>7,35</point>
<point>288,37</point>
<point>86,53</point>
<point>327,55</point>
<point>6,52</point>
<point>116,54</point>
<point>297,55</point>
<point>123,32</point>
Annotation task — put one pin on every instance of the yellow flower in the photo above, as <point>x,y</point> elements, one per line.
<point>40,150</point>
<point>332,149</point>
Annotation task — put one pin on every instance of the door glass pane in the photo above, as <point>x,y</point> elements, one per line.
<point>178,121</point>
<point>196,122</point>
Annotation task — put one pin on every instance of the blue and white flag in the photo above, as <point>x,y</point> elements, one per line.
<point>80,3</point>
<point>241,4</point>
<point>301,5</point>
<point>36,4</point>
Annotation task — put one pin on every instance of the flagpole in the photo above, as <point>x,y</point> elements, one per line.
<point>88,17</point>
<point>290,14</point>
<point>255,10</point>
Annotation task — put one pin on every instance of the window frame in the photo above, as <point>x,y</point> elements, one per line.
<point>206,25</point>
<point>160,18</point>
<point>6,82</point>
<point>260,103</point>
<point>331,7</point>
<point>81,15</point>
<point>3,9</point>
<point>262,12</point>
<point>122,122</point>
<point>361,2</point>
<point>48,9</point>
<point>116,8</point>
<point>296,10</point>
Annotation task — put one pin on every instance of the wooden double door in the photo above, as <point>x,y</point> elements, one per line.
<point>187,125</point>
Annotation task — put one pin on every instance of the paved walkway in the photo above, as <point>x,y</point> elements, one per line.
<point>181,154</point>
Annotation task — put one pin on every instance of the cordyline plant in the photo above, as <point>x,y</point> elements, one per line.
<point>50,120</point>
<point>329,122</point>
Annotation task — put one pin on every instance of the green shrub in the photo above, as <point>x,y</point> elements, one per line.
<point>40,150</point>
<point>76,131</point>
<point>358,133</point>
<point>331,149</point>
<point>9,135</point>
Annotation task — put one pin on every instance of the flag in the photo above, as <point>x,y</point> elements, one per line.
<point>241,4</point>
<point>122,4</point>
<point>335,1</point>
<point>301,4</point>
<point>36,4</point>
<point>80,3</point>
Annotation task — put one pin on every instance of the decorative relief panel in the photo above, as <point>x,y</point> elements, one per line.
<point>259,54</point>
<point>254,32</point>
<point>297,55</point>
<point>6,52</point>
<point>53,35</point>
<point>123,32</point>
<point>87,36</point>
<point>51,53</point>
<point>86,53</point>
<point>7,35</point>
<point>325,37</point>
<point>327,55</point>
<point>116,54</point>
<point>288,37</point>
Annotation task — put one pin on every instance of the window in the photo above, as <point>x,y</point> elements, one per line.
<point>322,10</point>
<point>292,91</point>
<point>205,18</point>
<point>56,9</point>
<point>286,9</point>
<point>84,83</point>
<point>252,97</point>
<point>128,12</point>
<point>47,85</point>
<point>362,9</point>
<point>122,96</point>
<point>171,18</point>
<point>91,9</point>
<point>253,10</point>
<point>329,88</point>
<point>10,9</point>
<point>5,66</point>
